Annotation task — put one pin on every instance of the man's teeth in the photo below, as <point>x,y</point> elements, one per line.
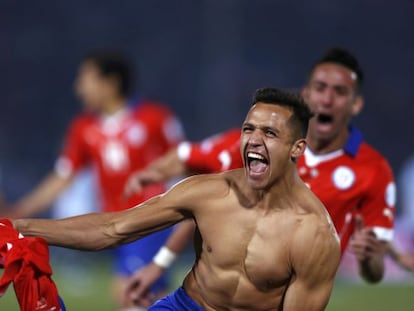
<point>255,156</point>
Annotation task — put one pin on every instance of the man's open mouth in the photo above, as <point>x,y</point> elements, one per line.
<point>324,118</point>
<point>257,163</point>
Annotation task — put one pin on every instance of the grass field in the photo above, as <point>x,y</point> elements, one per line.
<point>88,290</point>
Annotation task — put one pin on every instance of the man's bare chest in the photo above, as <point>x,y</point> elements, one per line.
<point>257,247</point>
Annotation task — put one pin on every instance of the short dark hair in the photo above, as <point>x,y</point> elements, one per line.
<point>292,100</point>
<point>111,63</point>
<point>344,58</point>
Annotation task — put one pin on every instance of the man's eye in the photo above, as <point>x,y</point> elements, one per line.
<point>247,129</point>
<point>270,133</point>
<point>319,87</point>
<point>342,91</point>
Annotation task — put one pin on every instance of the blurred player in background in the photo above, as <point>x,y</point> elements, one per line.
<point>116,138</point>
<point>353,180</point>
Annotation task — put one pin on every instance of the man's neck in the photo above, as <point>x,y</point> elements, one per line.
<point>279,193</point>
<point>113,105</point>
<point>322,146</point>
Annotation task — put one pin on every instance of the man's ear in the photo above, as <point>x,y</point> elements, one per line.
<point>358,105</point>
<point>305,93</point>
<point>298,148</point>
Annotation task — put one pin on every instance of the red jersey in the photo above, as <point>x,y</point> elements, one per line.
<point>355,179</point>
<point>218,153</point>
<point>118,145</point>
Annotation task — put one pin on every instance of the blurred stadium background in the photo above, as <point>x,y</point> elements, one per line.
<point>204,58</point>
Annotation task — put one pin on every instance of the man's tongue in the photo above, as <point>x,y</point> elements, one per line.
<point>257,166</point>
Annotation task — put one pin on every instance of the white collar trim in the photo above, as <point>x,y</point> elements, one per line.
<point>312,159</point>
<point>112,124</point>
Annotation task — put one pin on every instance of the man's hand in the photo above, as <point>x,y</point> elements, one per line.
<point>138,288</point>
<point>139,179</point>
<point>364,243</point>
<point>161,170</point>
<point>369,251</point>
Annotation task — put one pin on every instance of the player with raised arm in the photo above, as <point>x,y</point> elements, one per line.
<point>281,250</point>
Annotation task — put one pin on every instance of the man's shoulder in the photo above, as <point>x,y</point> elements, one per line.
<point>371,160</point>
<point>156,115</point>
<point>367,151</point>
<point>315,219</point>
<point>214,185</point>
<point>82,120</point>
<point>316,232</point>
<point>151,107</point>
<point>307,202</point>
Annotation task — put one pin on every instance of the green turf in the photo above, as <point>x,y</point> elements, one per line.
<point>361,297</point>
<point>90,291</point>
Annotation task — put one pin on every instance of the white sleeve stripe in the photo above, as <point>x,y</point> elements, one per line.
<point>184,151</point>
<point>384,234</point>
<point>225,160</point>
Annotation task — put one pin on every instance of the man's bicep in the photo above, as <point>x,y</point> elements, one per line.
<point>157,213</point>
<point>315,260</point>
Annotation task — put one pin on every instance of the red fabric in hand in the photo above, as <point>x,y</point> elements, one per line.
<point>26,264</point>
<point>7,234</point>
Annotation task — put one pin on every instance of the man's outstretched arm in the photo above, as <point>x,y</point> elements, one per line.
<point>105,230</point>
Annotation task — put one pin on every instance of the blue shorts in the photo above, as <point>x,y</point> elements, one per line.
<point>176,301</point>
<point>133,256</point>
<point>62,304</point>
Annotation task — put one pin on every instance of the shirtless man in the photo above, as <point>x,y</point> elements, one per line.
<point>263,241</point>
<point>351,178</point>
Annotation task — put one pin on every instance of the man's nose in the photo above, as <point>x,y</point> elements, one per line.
<point>327,97</point>
<point>255,138</point>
